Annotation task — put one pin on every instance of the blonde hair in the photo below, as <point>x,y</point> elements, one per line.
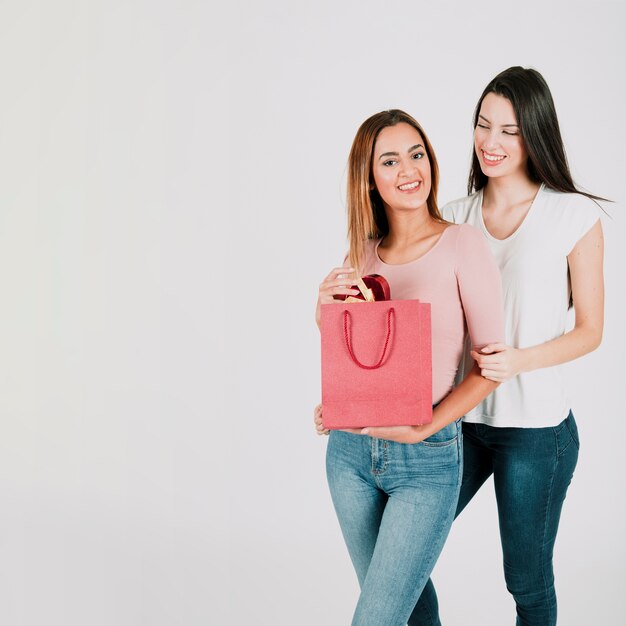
<point>366,212</point>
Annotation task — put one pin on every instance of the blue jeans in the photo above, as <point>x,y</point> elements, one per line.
<point>532,469</point>
<point>395,503</point>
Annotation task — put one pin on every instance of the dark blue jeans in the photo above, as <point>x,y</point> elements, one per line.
<point>532,469</point>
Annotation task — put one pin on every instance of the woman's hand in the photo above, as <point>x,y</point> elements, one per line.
<point>499,362</point>
<point>317,419</point>
<point>319,426</point>
<point>586,275</point>
<point>399,434</point>
<point>338,282</point>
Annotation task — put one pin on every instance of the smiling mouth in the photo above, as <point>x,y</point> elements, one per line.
<point>410,186</point>
<point>493,158</point>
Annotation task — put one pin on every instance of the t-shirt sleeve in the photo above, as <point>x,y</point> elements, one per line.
<point>579,216</point>
<point>480,288</point>
<point>448,213</point>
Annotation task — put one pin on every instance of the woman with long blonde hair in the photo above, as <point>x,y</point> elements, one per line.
<point>395,489</point>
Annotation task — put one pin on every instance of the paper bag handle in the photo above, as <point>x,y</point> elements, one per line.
<point>347,337</point>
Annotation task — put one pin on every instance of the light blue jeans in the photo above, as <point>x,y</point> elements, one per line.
<point>395,503</point>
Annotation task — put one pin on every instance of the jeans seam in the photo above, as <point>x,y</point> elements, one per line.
<point>447,442</point>
<point>432,558</point>
<point>574,439</point>
<point>431,617</point>
<point>560,453</point>
<point>385,454</point>
<point>438,444</point>
<point>545,533</point>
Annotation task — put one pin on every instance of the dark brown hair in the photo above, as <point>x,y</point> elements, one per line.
<point>536,116</point>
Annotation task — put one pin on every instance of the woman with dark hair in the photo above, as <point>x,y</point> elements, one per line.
<point>546,237</point>
<point>395,489</point>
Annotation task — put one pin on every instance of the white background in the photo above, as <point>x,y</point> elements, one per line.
<point>171,195</point>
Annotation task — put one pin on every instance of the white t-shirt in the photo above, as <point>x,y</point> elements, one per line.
<point>536,289</point>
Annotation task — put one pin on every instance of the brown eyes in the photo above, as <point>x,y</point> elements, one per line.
<point>416,157</point>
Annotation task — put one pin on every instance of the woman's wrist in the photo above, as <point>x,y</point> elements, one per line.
<point>420,433</point>
<point>526,358</point>
<point>426,430</point>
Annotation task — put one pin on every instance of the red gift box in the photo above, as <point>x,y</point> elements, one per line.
<point>377,286</point>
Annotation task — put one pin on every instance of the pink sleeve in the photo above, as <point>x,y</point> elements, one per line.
<point>480,288</point>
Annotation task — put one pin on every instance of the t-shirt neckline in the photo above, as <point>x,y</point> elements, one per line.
<point>518,229</point>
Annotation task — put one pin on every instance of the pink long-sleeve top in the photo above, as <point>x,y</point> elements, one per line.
<point>460,279</point>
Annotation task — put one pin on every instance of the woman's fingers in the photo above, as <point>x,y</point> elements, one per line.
<point>401,434</point>
<point>338,271</point>
<point>493,347</point>
<point>338,277</point>
<point>338,283</point>
<point>495,380</point>
<point>483,360</point>
<point>339,290</point>
<point>317,419</point>
<point>491,374</point>
<point>319,425</point>
<point>334,286</point>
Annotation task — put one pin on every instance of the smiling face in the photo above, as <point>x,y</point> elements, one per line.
<point>400,168</point>
<point>497,139</point>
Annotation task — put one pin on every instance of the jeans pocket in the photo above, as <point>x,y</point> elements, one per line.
<point>444,437</point>
<point>570,422</point>
<point>566,434</point>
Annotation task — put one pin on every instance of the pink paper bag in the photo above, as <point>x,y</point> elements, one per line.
<point>376,364</point>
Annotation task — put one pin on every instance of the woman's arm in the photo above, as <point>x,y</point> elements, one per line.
<point>457,403</point>
<point>499,362</point>
<point>480,290</point>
